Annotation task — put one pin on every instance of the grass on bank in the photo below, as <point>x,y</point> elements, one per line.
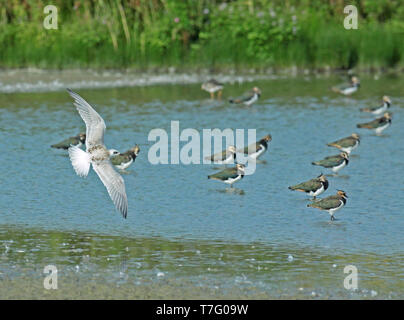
<point>200,34</point>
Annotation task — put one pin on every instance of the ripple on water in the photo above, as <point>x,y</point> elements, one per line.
<point>176,212</point>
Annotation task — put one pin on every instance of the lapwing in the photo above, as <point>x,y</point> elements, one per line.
<point>98,155</point>
<point>230,175</point>
<point>386,103</point>
<point>335,163</point>
<point>313,187</point>
<point>348,89</point>
<point>255,150</point>
<point>227,156</point>
<point>378,125</point>
<point>248,98</point>
<point>346,144</point>
<point>213,86</point>
<point>77,141</point>
<point>331,204</point>
<point>124,160</point>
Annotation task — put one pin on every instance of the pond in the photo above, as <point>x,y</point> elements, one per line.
<point>186,236</point>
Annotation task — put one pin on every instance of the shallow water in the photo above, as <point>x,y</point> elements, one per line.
<point>259,240</point>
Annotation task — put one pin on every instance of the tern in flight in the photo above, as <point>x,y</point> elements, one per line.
<point>97,154</point>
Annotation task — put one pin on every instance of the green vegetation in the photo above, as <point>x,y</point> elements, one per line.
<point>240,34</point>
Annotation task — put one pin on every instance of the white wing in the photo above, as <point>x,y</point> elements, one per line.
<point>95,125</point>
<point>114,183</point>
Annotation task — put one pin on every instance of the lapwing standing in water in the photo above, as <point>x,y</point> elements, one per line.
<point>77,141</point>
<point>378,125</point>
<point>97,154</point>
<point>335,163</point>
<point>248,98</point>
<point>348,89</point>
<point>255,150</point>
<point>213,86</point>
<point>379,109</point>
<point>227,156</point>
<point>124,160</point>
<point>230,175</point>
<point>313,187</point>
<point>331,204</point>
<point>346,144</point>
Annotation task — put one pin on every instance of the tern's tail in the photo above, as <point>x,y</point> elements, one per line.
<point>80,161</point>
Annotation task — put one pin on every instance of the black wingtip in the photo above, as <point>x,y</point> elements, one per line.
<point>71,92</point>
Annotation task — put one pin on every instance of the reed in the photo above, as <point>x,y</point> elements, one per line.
<point>201,34</point>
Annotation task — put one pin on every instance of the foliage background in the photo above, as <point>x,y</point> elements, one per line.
<point>215,34</point>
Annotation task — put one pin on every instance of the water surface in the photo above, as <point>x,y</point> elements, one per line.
<point>184,231</point>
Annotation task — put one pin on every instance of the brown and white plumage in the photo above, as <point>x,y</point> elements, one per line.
<point>248,98</point>
<point>97,154</point>
<point>346,144</point>
<point>331,204</point>
<point>67,143</point>
<point>378,125</point>
<point>227,156</point>
<point>386,103</point>
<point>347,90</point>
<point>213,86</point>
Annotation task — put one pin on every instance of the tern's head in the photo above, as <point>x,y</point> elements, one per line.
<point>344,155</point>
<point>113,152</point>
<point>322,178</point>
<point>355,136</point>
